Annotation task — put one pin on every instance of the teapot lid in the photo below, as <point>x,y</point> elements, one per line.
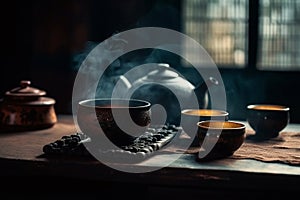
<point>162,72</point>
<point>24,90</point>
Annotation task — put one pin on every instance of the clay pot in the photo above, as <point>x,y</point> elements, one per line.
<point>26,108</point>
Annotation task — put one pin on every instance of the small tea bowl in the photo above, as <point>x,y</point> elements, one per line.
<point>119,120</point>
<point>219,139</point>
<point>190,118</point>
<point>267,120</point>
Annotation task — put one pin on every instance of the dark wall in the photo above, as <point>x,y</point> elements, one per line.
<point>16,42</point>
<point>40,39</point>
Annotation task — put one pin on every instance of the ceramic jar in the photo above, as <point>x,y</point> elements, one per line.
<point>26,108</point>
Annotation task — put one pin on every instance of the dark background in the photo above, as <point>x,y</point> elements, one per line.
<point>40,38</point>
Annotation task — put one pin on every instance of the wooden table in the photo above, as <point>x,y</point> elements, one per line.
<point>22,164</point>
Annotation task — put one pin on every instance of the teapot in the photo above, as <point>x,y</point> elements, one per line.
<point>167,88</point>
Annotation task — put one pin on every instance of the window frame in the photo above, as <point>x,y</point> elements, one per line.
<point>252,29</point>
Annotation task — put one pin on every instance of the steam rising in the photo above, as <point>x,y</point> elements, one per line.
<point>123,54</point>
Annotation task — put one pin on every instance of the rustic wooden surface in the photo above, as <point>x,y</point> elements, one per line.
<point>28,146</point>
<point>21,154</point>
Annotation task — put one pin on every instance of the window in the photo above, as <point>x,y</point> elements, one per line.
<point>245,33</point>
<point>279,35</point>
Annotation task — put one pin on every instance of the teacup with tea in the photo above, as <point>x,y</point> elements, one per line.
<point>116,121</point>
<point>190,118</point>
<point>267,120</point>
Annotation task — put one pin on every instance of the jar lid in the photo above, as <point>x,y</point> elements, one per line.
<point>25,90</point>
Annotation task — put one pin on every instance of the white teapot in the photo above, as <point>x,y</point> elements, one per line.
<point>166,87</point>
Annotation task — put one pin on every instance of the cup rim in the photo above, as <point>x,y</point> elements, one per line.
<point>220,112</point>
<point>205,125</point>
<point>146,104</point>
<point>268,107</point>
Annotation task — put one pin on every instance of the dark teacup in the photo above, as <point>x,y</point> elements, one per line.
<point>119,120</point>
<point>267,120</point>
<point>219,139</point>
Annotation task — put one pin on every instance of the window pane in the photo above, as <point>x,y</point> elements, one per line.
<point>220,27</point>
<point>279,35</point>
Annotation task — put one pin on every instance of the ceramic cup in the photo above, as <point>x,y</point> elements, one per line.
<point>267,120</point>
<point>219,139</point>
<point>190,118</point>
<point>119,120</point>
